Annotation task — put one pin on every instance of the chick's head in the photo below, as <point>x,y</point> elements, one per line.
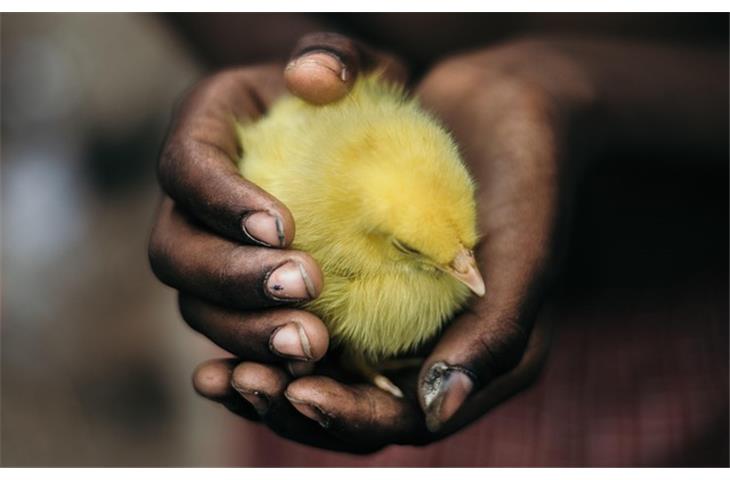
<point>416,197</point>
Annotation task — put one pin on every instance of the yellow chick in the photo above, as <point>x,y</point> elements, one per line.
<point>382,200</point>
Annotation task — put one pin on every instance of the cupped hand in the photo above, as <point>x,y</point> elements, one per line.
<point>220,240</point>
<point>509,124</point>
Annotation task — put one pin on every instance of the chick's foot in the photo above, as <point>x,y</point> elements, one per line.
<point>362,367</point>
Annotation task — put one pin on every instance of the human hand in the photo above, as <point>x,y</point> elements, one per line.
<point>222,241</point>
<point>510,121</point>
<point>510,132</point>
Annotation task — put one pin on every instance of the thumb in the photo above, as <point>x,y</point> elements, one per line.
<point>473,351</point>
<point>323,66</point>
<point>487,340</point>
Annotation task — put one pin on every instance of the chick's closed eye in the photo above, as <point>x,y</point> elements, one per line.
<point>403,247</point>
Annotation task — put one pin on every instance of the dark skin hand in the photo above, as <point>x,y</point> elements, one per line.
<point>219,238</point>
<point>223,269</point>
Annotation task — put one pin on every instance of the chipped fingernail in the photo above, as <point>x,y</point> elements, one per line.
<point>290,281</point>
<point>257,399</point>
<point>444,390</point>
<point>264,228</point>
<point>310,411</point>
<point>291,341</point>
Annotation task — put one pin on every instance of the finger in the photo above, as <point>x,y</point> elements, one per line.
<point>483,343</point>
<point>323,66</point>
<point>198,165</point>
<point>212,380</point>
<point>364,415</point>
<point>508,384</point>
<point>190,259</point>
<point>486,340</point>
<point>264,386</point>
<point>261,385</point>
<point>466,358</point>
<point>264,336</point>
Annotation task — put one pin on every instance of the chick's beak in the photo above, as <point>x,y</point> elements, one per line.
<point>464,269</point>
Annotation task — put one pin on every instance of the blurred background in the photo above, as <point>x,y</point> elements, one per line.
<point>96,362</point>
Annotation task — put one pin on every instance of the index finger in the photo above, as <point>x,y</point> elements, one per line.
<point>198,165</point>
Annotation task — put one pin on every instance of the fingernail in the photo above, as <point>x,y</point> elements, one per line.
<point>290,281</point>
<point>444,390</point>
<point>310,411</point>
<point>291,341</point>
<point>319,60</point>
<point>264,228</point>
<point>258,400</point>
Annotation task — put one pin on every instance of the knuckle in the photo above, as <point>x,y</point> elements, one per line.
<point>188,311</point>
<point>168,165</point>
<point>502,346</point>
<point>512,343</point>
<point>452,82</point>
<point>235,267</point>
<point>490,365</point>
<point>464,77</point>
<point>163,165</point>
<point>158,253</point>
<point>461,67</point>
<point>240,272</point>
<point>224,79</point>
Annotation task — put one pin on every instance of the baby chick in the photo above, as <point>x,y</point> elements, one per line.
<point>382,200</point>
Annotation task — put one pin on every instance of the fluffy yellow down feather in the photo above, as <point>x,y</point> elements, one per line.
<point>381,199</point>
